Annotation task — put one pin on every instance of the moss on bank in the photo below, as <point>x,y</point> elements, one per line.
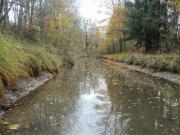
<point>21,59</point>
<point>158,62</point>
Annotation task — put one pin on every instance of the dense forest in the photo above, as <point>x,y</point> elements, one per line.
<point>41,20</point>
<point>147,25</point>
<point>145,33</point>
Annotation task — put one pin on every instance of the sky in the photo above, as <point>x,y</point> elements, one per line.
<point>93,10</point>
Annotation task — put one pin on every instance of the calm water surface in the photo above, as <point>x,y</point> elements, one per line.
<point>96,99</point>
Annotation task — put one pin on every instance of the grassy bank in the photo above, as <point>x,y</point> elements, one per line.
<point>22,59</point>
<point>158,62</point>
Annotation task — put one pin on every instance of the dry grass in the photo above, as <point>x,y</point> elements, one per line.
<point>158,62</point>
<point>20,60</point>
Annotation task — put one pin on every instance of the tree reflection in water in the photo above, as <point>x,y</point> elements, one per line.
<point>96,99</point>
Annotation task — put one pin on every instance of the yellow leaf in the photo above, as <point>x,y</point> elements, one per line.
<point>14,127</point>
<point>4,122</point>
<point>26,125</point>
<point>161,125</point>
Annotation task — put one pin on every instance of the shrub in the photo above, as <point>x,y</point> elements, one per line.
<point>67,61</point>
<point>30,33</point>
<point>174,65</point>
<point>131,60</point>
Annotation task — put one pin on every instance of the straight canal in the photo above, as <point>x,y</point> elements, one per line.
<point>94,98</point>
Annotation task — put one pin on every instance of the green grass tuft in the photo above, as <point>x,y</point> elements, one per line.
<point>158,62</point>
<point>21,60</point>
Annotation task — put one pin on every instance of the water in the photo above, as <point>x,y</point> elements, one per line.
<point>97,99</point>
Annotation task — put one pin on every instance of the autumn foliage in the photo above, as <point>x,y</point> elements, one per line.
<point>115,35</point>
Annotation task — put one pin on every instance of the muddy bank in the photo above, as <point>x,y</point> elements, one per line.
<point>163,75</point>
<point>22,89</point>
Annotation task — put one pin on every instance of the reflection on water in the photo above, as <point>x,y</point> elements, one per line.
<point>96,99</point>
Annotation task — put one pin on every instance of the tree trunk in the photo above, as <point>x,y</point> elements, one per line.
<point>20,17</point>
<point>26,13</point>
<point>32,12</point>
<point>6,18</point>
<point>114,47</point>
